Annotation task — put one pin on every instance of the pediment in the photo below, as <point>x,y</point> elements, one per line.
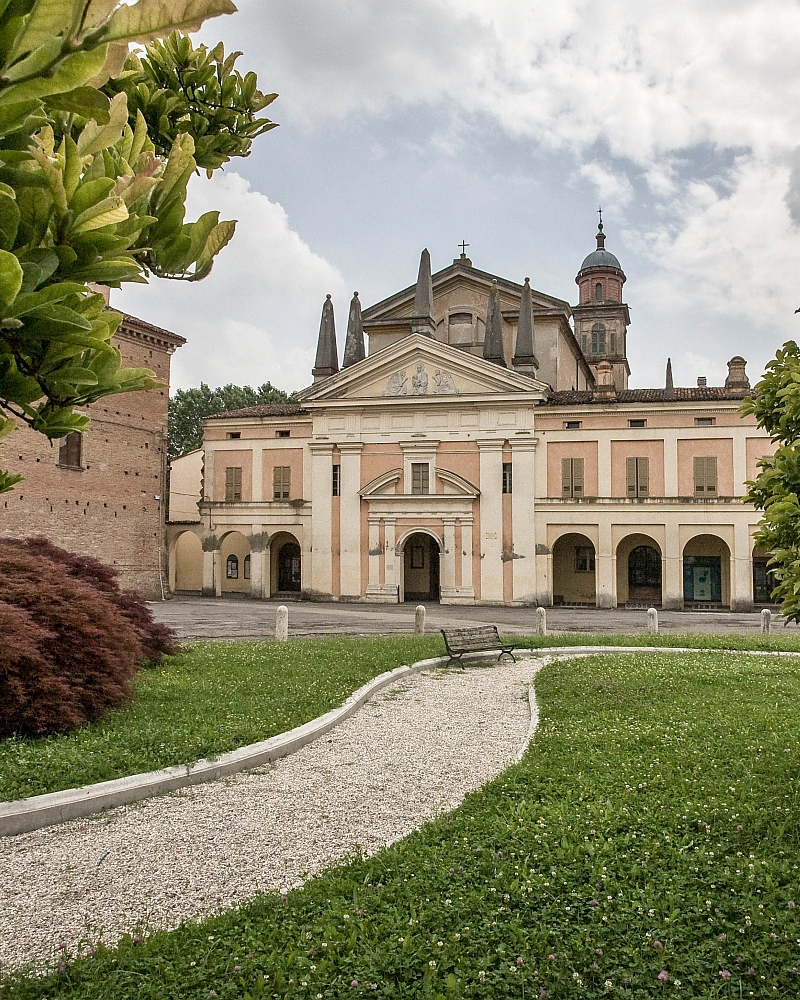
<point>418,367</point>
<point>385,485</point>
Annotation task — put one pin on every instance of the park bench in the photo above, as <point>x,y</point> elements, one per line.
<point>477,639</point>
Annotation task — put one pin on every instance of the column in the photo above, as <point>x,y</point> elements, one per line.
<point>448,563</point>
<point>256,560</point>
<point>350,519</point>
<point>672,588</point>
<point>375,553</point>
<point>467,547</point>
<point>491,540</point>
<point>604,465</point>
<point>522,521</point>
<point>321,513</point>
<point>741,567</point>
<point>605,567</point>
<point>209,588</point>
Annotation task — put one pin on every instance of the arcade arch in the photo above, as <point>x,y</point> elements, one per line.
<point>707,571</point>
<point>421,570</point>
<point>285,564</point>
<point>574,572</point>
<point>639,571</point>
<point>186,571</point>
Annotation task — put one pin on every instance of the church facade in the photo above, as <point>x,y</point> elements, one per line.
<point>480,444</point>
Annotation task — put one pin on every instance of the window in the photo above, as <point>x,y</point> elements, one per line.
<point>283,434</point>
<point>572,425</point>
<point>507,477</point>
<point>571,477</point>
<point>232,568</point>
<point>637,472</point>
<point>598,292</point>
<point>599,338</point>
<point>420,474</point>
<point>460,319</point>
<point>637,423</point>
<point>233,484</point>
<point>281,482</point>
<point>704,421</point>
<point>337,481</point>
<point>70,450</point>
<point>234,435</point>
<point>584,559</point>
<point>246,568</point>
<point>705,477</point>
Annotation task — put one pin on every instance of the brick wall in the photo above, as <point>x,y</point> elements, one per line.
<point>111,508</point>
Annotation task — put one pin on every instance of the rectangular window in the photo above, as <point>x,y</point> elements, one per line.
<point>337,481</point>
<point>234,435</point>
<point>572,425</point>
<point>282,434</point>
<point>584,559</point>
<point>571,477</point>
<point>637,423</point>
<point>70,450</point>
<point>705,477</point>
<point>281,482</point>
<point>233,484</point>
<point>637,472</point>
<point>420,481</point>
<point>507,477</point>
<point>704,421</point>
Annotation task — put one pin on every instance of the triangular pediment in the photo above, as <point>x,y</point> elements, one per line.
<point>418,367</point>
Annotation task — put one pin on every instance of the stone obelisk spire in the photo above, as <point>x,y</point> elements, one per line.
<point>669,389</point>
<point>327,362</point>
<point>493,341</point>
<point>524,359</point>
<point>354,344</point>
<point>422,319</point>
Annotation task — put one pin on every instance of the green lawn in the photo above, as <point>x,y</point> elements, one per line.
<point>645,846</point>
<point>215,697</point>
<point>218,696</point>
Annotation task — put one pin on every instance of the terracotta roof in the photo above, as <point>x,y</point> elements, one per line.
<point>141,324</point>
<point>263,410</point>
<point>705,394</point>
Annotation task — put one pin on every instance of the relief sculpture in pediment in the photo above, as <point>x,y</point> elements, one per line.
<point>443,383</point>
<point>419,381</point>
<point>397,385</point>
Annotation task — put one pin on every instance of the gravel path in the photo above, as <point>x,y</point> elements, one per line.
<point>413,751</point>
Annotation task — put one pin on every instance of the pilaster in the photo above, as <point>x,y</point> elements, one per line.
<point>448,564</point>
<point>522,521</point>
<point>321,479</point>
<point>741,567</point>
<point>672,599</point>
<point>350,519</point>
<point>491,507</point>
<point>606,567</point>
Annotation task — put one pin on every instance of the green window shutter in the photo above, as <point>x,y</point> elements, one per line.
<point>566,477</point>
<point>577,477</point>
<point>630,476</point>
<point>711,477</point>
<point>281,481</point>
<point>643,476</point>
<point>233,484</point>
<point>699,468</point>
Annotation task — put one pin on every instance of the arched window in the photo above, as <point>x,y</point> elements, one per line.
<point>598,339</point>
<point>598,291</point>
<point>246,567</point>
<point>232,568</point>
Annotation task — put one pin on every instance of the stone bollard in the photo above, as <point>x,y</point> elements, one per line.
<point>419,620</point>
<point>541,621</point>
<point>766,621</point>
<point>282,623</point>
<point>652,620</point>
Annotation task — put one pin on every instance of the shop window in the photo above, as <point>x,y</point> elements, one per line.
<point>233,484</point>
<point>281,482</point>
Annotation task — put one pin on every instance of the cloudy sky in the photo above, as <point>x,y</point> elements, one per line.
<point>424,122</point>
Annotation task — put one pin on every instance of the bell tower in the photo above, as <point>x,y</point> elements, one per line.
<point>601,317</point>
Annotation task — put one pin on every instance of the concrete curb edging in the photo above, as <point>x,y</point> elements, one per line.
<point>38,811</point>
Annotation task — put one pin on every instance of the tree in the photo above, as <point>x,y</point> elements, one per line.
<point>96,151</point>
<point>188,407</point>
<point>776,489</point>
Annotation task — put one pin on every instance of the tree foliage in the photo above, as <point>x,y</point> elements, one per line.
<point>776,489</point>
<point>93,185</point>
<point>188,407</point>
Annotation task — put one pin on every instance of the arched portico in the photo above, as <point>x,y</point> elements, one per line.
<point>639,571</point>
<point>706,571</point>
<point>236,562</point>
<point>420,563</point>
<point>285,564</point>
<point>574,573</point>
<point>186,563</point>
<point>764,581</point>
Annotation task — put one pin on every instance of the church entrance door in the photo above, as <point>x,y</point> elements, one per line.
<point>421,568</point>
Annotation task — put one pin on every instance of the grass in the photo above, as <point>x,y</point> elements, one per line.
<point>645,846</point>
<point>214,697</point>
<point>256,690</point>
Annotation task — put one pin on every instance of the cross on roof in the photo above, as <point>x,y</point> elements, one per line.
<point>600,213</point>
<point>463,246</point>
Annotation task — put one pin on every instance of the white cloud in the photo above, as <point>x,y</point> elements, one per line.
<point>255,317</point>
<point>614,187</point>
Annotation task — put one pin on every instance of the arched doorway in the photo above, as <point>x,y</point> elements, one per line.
<point>574,570</point>
<point>420,568</point>
<point>639,571</point>
<point>235,558</point>
<point>706,572</point>
<point>764,581</point>
<point>286,564</point>
<point>188,556</point>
